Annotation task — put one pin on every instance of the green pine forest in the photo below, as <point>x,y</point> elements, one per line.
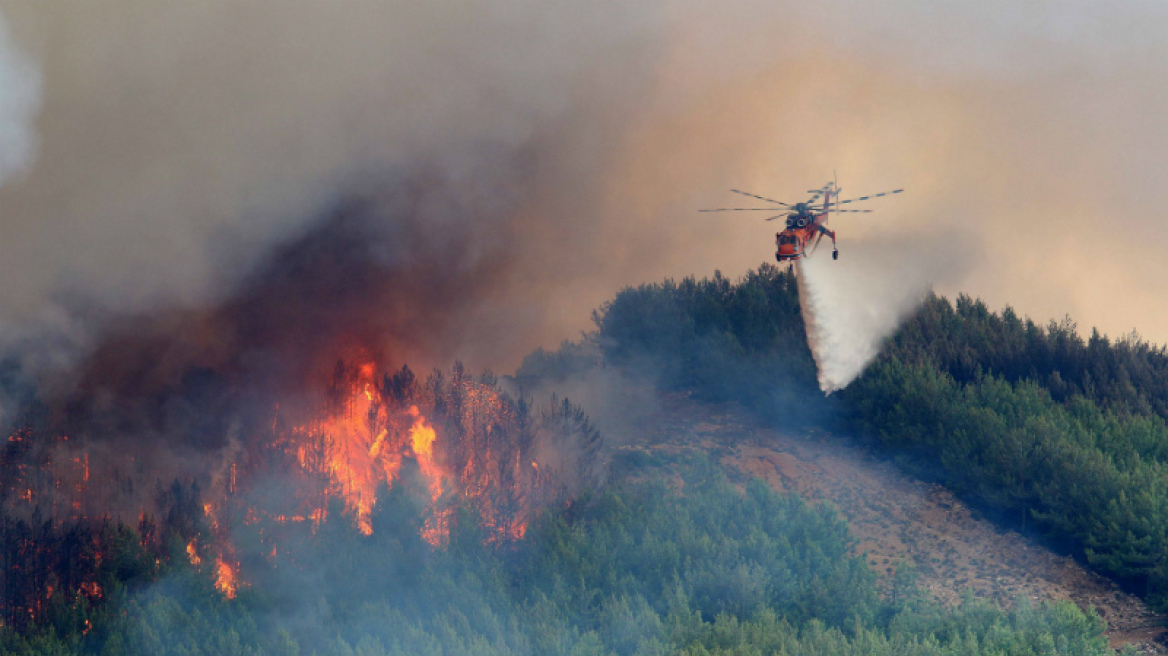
<point>673,560</point>
<point>674,555</point>
<point>1035,424</point>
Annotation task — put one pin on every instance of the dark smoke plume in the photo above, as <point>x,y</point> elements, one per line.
<point>398,276</point>
<point>228,197</point>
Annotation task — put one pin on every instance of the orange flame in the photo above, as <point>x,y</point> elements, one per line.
<point>225,578</point>
<point>354,440</point>
<point>365,445</point>
<point>193,554</point>
<point>352,446</point>
<point>422,437</point>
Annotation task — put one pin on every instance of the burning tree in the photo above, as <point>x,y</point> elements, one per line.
<point>451,441</point>
<point>468,439</point>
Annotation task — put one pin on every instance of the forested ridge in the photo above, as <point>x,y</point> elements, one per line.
<point>1047,429</point>
<point>677,561</point>
<point>669,557</point>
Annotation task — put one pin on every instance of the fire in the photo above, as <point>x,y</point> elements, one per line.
<point>225,578</point>
<point>422,437</point>
<point>378,443</point>
<point>372,425</point>
<point>464,440</point>
<point>352,442</point>
<point>193,554</point>
<point>364,444</point>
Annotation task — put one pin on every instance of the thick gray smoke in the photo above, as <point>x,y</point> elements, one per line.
<point>183,143</point>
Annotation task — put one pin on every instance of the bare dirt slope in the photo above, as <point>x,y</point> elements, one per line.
<point>898,518</point>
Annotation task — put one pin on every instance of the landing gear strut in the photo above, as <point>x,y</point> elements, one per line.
<point>834,251</point>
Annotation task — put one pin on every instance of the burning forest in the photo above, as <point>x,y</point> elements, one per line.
<point>228,440</point>
<point>452,441</point>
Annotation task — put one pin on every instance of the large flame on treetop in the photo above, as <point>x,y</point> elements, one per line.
<point>452,440</point>
<point>364,444</point>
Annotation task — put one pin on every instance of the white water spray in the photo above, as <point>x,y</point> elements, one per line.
<point>852,305</point>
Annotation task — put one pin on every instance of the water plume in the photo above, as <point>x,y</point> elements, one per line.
<point>852,305</point>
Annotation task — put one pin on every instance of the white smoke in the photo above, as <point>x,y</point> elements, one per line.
<point>20,98</point>
<point>852,305</point>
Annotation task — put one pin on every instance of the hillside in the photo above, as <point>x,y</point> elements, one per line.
<point>679,551</point>
<point>1046,430</point>
<point>896,518</point>
<point>670,557</point>
<point>941,504</point>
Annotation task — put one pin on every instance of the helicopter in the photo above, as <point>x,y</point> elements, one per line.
<point>806,221</point>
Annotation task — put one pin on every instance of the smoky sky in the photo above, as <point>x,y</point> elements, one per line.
<point>184,146</point>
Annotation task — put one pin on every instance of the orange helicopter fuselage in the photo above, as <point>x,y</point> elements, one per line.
<point>797,240</point>
<point>805,227</point>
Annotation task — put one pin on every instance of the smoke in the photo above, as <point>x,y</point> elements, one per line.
<point>226,188</point>
<point>183,144</point>
<point>229,197</point>
<point>20,98</point>
<point>392,277</point>
<point>852,305</point>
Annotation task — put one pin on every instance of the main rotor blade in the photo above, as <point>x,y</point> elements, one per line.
<point>861,198</point>
<point>854,211</point>
<point>772,218</point>
<point>769,200</point>
<point>741,209</point>
<point>816,193</point>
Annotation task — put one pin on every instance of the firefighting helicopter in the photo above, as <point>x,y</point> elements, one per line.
<point>806,222</point>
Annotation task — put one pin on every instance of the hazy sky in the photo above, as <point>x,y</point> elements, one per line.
<point>181,142</point>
